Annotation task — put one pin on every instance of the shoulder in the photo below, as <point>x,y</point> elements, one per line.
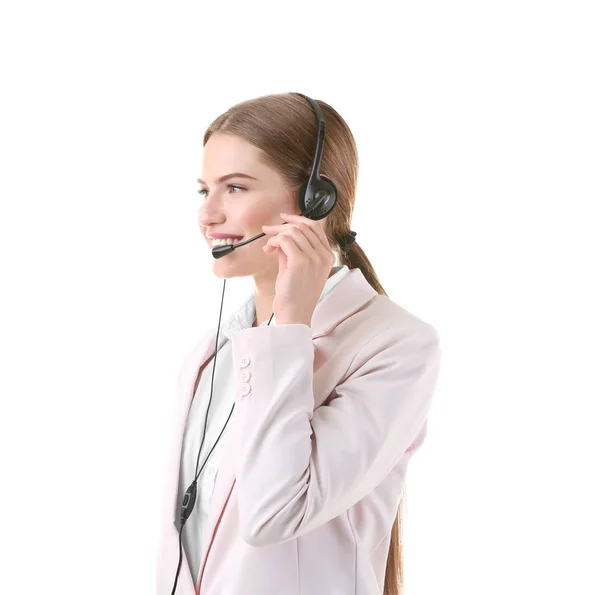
<point>382,339</point>
<point>383,323</point>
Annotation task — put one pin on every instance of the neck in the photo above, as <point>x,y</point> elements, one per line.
<point>264,296</point>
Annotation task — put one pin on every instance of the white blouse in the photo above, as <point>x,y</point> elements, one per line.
<point>224,387</point>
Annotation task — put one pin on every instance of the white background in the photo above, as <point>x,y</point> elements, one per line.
<point>478,130</point>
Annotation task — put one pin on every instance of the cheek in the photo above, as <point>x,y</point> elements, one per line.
<point>254,219</point>
<point>264,209</point>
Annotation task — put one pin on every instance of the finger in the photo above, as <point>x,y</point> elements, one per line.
<point>311,233</point>
<point>311,224</point>
<point>302,234</point>
<point>294,245</point>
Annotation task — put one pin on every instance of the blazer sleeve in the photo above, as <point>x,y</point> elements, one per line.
<point>298,467</point>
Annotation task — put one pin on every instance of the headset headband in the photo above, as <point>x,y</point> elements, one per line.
<point>314,174</point>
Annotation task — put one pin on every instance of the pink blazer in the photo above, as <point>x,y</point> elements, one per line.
<point>314,467</point>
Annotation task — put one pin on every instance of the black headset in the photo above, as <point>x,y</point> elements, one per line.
<point>317,198</point>
<point>320,191</point>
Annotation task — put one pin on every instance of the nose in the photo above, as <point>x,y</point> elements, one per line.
<point>204,223</point>
<point>209,214</point>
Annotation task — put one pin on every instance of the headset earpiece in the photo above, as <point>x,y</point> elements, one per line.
<point>314,190</point>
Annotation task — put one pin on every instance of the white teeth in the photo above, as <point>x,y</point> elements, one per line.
<point>227,242</point>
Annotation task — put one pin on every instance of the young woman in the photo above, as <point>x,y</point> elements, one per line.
<point>300,433</point>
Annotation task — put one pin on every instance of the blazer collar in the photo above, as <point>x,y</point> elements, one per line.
<point>244,316</point>
<point>348,296</point>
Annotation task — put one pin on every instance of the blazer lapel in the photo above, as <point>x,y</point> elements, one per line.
<point>351,294</point>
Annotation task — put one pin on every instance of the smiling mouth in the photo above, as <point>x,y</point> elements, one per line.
<point>227,242</point>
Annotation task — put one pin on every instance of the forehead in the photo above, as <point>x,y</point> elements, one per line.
<point>226,153</point>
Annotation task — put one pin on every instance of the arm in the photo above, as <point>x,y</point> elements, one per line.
<point>297,469</point>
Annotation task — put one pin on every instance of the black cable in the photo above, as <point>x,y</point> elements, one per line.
<point>189,498</point>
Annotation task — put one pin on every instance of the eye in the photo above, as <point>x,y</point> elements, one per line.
<point>203,191</point>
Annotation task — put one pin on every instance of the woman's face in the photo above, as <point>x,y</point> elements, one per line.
<point>241,204</point>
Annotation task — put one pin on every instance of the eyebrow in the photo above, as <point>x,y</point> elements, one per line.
<point>227,176</point>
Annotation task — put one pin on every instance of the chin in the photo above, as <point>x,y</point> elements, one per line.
<point>225,270</point>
